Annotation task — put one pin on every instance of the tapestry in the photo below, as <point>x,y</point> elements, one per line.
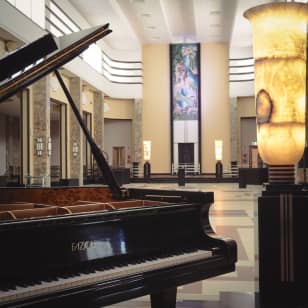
<point>185,81</point>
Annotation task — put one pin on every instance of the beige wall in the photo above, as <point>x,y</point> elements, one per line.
<point>119,108</point>
<point>156,105</point>
<point>246,106</point>
<point>215,105</point>
<point>87,99</point>
<point>56,91</point>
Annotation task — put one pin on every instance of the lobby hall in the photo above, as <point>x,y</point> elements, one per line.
<point>153,153</point>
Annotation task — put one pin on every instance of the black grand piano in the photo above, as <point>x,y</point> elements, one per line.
<point>101,257</point>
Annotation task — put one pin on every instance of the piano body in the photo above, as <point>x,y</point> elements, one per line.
<point>140,241</point>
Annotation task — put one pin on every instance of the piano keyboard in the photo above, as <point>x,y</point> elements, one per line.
<point>82,279</point>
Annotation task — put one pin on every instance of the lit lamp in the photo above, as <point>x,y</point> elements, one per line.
<point>39,146</point>
<point>218,157</point>
<point>147,157</point>
<point>279,46</point>
<point>49,146</point>
<point>280,79</point>
<point>75,149</point>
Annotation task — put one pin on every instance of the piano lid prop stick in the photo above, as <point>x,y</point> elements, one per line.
<point>117,192</point>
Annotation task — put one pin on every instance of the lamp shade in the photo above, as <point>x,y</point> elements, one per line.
<point>146,150</point>
<point>218,149</point>
<point>279,46</point>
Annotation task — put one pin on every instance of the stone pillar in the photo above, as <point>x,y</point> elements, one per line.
<point>75,134</point>
<point>233,129</point>
<point>2,48</point>
<point>41,128</point>
<point>98,118</point>
<point>98,121</point>
<point>137,131</point>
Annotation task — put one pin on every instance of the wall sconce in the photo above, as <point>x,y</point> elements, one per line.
<point>147,157</point>
<point>49,146</point>
<point>39,146</point>
<point>279,46</point>
<point>218,157</point>
<point>75,149</point>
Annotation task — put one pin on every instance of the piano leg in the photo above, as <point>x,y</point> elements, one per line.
<point>164,299</point>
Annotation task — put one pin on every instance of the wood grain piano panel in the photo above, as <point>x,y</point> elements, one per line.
<point>61,196</point>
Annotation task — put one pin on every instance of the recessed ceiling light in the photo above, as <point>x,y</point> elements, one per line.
<point>146,15</point>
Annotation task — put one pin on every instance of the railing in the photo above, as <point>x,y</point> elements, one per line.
<point>124,72</point>
<point>241,69</point>
<point>190,169</point>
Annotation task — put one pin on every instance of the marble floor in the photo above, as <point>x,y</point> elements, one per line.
<point>232,215</point>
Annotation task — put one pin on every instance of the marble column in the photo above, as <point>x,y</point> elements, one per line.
<point>233,129</point>
<point>2,48</point>
<point>41,129</point>
<point>98,118</point>
<point>137,131</point>
<point>75,135</point>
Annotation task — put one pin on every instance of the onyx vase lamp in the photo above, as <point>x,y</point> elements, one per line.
<point>279,47</point>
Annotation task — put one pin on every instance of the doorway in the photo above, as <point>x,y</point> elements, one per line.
<point>11,141</point>
<point>248,136</point>
<point>186,153</point>
<point>118,157</point>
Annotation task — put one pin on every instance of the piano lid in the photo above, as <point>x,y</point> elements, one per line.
<point>28,54</point>
<point>69,47</point>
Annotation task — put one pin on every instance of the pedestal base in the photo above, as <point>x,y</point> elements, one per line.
<point>181,177</point>
<point>219,170</point>
<point>283,252</point>
<point>147,170</point>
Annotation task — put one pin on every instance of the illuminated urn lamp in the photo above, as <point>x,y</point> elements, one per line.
<point>279,46</point>
<point>218,157</point>
<point>147,157</point>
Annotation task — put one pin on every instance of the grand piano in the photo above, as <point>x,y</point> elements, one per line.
<point>139,242</point>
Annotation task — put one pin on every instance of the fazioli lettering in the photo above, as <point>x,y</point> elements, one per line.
<point>82,245</point>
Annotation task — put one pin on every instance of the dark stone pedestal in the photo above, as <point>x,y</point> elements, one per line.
<point>254,176</point>
<point>147,170</point>
<point>283,252</point>
<point>181,177</point>
<point>219,170</point>
<point>122,175</point>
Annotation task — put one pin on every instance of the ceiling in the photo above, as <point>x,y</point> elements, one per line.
<point>136,22</point>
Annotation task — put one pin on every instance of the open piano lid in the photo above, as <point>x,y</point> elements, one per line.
<point>66,48</point>
<point>26,65</point>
